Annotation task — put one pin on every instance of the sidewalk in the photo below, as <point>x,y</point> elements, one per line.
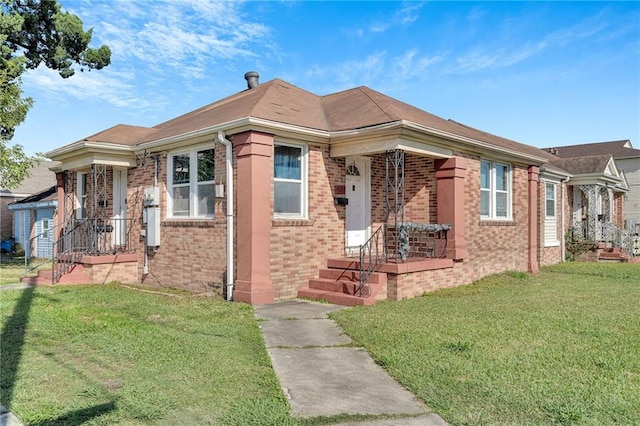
<point>323,375</point>
<point>8,419</point>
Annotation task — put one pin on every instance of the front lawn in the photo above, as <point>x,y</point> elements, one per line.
<point>559,347</point>
<point>12,268</point>
<point>113,355</point>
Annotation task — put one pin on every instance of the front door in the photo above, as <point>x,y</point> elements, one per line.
<point>119,207</point>
<point>357,214</point>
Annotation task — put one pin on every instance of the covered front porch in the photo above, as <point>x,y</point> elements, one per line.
<point>404,222</point>
<point>95,234</point>
<point>596,219</point>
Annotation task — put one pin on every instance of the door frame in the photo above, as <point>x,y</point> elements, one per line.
<point>120,176</point>
<point>364,165</point>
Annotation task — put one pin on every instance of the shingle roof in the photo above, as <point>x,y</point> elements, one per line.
<point>357,108</point>
<point>39,179</point>
<point>48,194</point>
<point>584,165</point>
<point>279,101</point>
<point>619,149</point>
<point>121,134</point>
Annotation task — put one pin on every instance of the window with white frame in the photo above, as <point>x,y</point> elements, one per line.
<point>81,195</point>
<point>550,199</point>
<point>191,184</point>
<point>290,180</point>
<point>495,190</point>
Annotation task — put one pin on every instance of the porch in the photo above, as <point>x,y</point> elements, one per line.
<point>94,239</point>
<point>402,255</point>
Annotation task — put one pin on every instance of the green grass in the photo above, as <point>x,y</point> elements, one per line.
<point>12,268</point>
<point>113,355</point>
<point>559,347</point>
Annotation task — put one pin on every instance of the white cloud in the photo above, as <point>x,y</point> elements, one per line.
<point>182,37</point>
<point>408,13</point>
<point>492,56</point>
<point>112,87</point>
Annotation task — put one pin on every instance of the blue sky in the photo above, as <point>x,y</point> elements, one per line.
<point>541,73</point>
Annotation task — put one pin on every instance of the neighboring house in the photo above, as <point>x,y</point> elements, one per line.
<point>627,162</point>
<point>34,223</point>
<point>275,192</point>
<point>40,178</point>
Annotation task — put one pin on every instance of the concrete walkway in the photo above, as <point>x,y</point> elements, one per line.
<point>323,375</point>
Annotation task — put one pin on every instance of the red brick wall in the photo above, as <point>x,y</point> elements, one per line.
<point>192,252</point>
<point>6,218</point>
<point>299,248</point>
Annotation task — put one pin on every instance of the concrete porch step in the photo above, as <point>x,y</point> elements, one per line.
<point>335,297</point>
<point>76,275</point>
<point>351,275</point>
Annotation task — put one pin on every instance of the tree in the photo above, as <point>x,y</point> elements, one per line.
<point>35,32</point>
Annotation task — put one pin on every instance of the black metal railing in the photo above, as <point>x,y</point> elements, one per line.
<point>400,242</point>
<point>38,251</point>
<point>411,239</point>
<point>91,237</point>
<point>373,253</point>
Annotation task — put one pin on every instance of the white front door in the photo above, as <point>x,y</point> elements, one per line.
<point>119,207</point>
<point>357,214</point>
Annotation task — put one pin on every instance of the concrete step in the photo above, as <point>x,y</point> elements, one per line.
<point>351,275</point>
<point>325,284</point>
<point>335,298</point>
<point>76,275</point>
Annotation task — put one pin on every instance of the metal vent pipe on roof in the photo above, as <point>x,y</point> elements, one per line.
<point>252,79</point>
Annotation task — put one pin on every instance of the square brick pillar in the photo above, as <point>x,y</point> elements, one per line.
<point>532,192</point>
<point>60,214</point>
<point>253,152</point>
<point>450,184</point>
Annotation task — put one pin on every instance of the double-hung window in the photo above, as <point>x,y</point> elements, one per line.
<point>495,190</point>
<point>290,181</point>
<point>550,199</point>
<point>191,183</point>
<point>81,195</point>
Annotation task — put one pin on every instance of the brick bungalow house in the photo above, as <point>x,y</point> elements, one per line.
<point>275,193</point>
<point>626,159</point>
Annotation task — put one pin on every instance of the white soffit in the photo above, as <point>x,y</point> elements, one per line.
<point>379,146</point>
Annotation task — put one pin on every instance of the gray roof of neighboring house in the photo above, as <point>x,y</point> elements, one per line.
<point>618,149</point>
<point>48,197</point>
<point>584,165</point>
<point>39,179</point>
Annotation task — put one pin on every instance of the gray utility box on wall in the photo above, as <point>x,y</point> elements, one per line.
<point>151,215</point>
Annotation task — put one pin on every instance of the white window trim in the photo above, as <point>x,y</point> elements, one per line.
<point>554,242</point>
<point>193,182</point>
<point>81,194</point>
<point>555,200</point>
<point>493,191</point>
<point>304,177</point>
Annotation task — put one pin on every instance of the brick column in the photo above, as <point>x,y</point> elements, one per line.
<point>253,152</point>
<point>532,186</point>
<point>450,185</point>
<point>60,213</point>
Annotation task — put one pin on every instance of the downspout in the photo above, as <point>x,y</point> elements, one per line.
<point>145,268</point>
<point>563,188</point>
<point>229,160</point>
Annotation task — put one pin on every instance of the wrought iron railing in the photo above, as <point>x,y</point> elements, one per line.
<point>372,254</point>
<point>410,239</point>
<point>91,237</point>
<point>629,243</point>
<point>38,251</point>
<point>400,242</point>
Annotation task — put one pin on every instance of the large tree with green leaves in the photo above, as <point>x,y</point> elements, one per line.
<point>35,32</point>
